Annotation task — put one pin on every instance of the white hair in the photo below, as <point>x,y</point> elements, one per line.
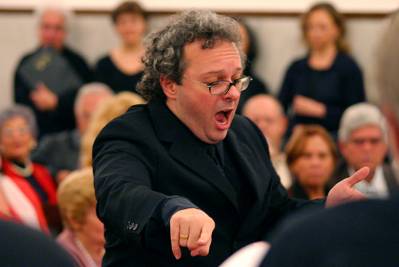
<point>360,115</point>
<point>60,8</point>
<point>91,89</point>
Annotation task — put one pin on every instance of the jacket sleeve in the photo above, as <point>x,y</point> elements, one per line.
<point>126,201</point>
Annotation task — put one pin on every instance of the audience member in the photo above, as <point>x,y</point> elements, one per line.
<point>122,68</point>
<point>111,109</point>
<point>182,181</point>
<point>363,141</point>
<point>361,234</point>
<point>15,205</point>
<point>22,246</point>
<point>267,113</point>
<point>320,86</point>
<point>311,157</point>
<point>250,47</point>
<point>83,234</point>
<point>60,151</point>
<point>18,132</point>
<point>48,78</point>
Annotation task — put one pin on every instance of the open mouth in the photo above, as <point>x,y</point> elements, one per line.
<point>223,118</point>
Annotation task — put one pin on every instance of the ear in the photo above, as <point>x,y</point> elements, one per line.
<point>169,87</point>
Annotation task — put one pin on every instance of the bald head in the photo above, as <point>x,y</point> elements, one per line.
<point>267,113</point>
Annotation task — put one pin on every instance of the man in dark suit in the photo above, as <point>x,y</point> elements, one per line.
<point>363,141</point>
<point>363,234</point>
<point>181,181</point>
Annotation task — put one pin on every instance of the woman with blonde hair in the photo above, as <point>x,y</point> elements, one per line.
<point>83,234</point>
<point>112,108</point>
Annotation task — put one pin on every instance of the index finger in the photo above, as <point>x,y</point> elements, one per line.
<point>174,239</point>
<point>358,176</point>
<point>206,234</point>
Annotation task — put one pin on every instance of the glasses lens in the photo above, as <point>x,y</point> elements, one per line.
<point>218,88</point>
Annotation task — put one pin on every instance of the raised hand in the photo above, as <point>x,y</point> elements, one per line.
<point>344,192</point>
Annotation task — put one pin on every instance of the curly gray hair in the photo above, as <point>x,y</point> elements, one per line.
<point>164,53</point>
<point>23,112</point>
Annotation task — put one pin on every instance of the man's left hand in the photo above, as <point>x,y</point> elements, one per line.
<point>344,192</point>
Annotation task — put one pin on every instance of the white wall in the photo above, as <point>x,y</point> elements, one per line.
<point>278,36</point>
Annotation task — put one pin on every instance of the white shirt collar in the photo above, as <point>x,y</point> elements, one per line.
<point>376,188</point>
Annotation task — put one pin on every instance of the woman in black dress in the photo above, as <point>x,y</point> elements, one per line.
<point>320,86</point>
<point>121,69</point>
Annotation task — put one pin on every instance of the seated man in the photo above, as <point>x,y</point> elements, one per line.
<point>363,141</point>
<point>47,79</point>
<point>60,151</point>
<point>267,113</point>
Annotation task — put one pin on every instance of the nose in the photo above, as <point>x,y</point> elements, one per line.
<point>233,94</point>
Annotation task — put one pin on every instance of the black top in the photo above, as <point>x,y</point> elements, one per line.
<point>107,72</point>
<point>59,151</point>
<point>338,87</point>
<point>358,234</point>
<point>62,117</point>
<point>296,191</point>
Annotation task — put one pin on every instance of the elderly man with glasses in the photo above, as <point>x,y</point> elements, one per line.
<point>182,181</point>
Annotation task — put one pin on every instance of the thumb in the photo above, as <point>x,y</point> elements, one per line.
<point>358,176</point>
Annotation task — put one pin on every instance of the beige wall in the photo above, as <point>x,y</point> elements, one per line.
<point>279,42</point>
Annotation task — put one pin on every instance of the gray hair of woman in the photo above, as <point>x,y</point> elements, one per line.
<point>164,48</point>
<point>23,112</point>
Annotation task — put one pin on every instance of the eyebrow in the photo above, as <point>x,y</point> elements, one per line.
<point>219,72</point>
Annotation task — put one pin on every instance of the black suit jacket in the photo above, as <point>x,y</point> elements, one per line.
<point>358,234</point>
<point>147,156</point>
<point>341,172</point>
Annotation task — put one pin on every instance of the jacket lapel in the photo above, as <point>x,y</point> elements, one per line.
<point>188,149</point>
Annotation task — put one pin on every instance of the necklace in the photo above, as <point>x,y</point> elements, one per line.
<point>24,171</point>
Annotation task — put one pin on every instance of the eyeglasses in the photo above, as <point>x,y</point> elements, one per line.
<point>223,87</point>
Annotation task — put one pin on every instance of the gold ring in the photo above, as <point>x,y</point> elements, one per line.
<point>183,236</point>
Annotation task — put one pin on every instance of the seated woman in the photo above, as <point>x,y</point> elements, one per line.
<point>320,86</point>
<point>122,68</point>
<point>311,158</point>
<point>83,234</point>
<point>28,181</point>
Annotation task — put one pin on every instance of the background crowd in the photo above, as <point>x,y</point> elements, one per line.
<point>319,127</point>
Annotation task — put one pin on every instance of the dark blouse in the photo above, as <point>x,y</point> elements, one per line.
<point>107,72</point>
<point>338,87</point>
<point>297,191</point>
<point>62,118</point>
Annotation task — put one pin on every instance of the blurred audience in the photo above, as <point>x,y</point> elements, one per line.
<point>32,184</point>
<point>83,234</point>
<point>358,234</point>
<point>267,113</point>
<point>250,48</point>
<point>122,68</point>
<point>363,141</point>
<point>48,78</point>
<point>319,87</point>
<point>311,157</point>
<point>60,151</point>
<point>111,109</point>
